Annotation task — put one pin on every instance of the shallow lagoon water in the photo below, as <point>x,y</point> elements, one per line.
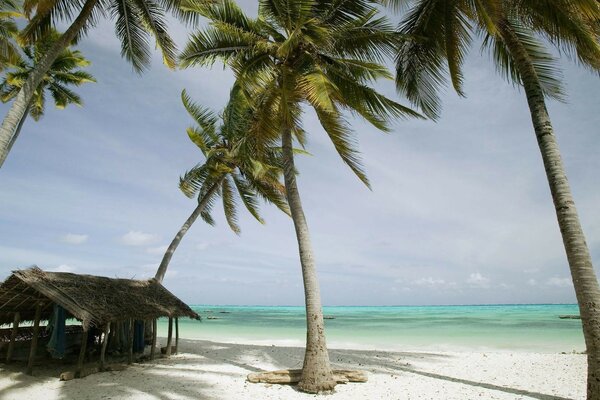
<point>536,328</point>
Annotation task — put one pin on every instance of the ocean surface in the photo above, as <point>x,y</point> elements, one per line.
<point>536,328</point>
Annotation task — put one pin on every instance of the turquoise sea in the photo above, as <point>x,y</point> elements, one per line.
<point>485,327</point>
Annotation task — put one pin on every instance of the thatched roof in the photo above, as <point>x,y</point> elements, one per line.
<point>94,300</point>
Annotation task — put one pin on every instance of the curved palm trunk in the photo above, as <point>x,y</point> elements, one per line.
<point>21,103</point>
<point>585,281</point>
<point>316,371</point>
<point>18,131</point>
<point>162,268</point>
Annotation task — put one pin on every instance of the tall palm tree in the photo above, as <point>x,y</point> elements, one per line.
<point>65,71</point>
<point>136,21</point>
<point>516,33</point>
<point>9,10</point>
<point>231,166</point>
<point>323,54</point>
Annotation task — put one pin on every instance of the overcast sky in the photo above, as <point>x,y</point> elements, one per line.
<point>460,211</point>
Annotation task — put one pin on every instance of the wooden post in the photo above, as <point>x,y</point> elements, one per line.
<point>84,339</point>
<point>34,339</point>
<point>13,337</point>
<point>176,335</point>
<point>153,348</point>
<point>130,344</point>
<point>169,337</point>
<point>104,343</point>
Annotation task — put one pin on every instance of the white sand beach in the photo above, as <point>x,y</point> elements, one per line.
<point>217,371</point>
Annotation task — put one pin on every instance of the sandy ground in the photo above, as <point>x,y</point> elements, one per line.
<point>209,370</point>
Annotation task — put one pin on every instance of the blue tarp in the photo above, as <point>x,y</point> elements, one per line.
<point>138,337</point>
<point>57,325</point>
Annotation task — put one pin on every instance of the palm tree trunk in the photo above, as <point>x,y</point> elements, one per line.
<point>316,371</point>
<point>19,127</point>
<point>23,99</point>
<point>585,281</point>
<point>162,268</point>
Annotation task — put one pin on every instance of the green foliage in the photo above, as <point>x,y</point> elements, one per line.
<point>233,168</point>
<point>65,71</point>
<point>439,32</point>
<point>9,53</point>
<point>324,54</point>
<point>136,21</point>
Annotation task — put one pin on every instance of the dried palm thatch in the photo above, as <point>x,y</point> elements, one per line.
<point>94,300</point>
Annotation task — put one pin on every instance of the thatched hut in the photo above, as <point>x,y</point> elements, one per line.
<point>97,302</point>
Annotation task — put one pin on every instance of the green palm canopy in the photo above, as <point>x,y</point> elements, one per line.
<point>9,52</point>
<point>234,168</point>
<point>66,70</point>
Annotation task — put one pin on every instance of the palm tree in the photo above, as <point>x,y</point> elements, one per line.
<point>324,54</point>
<point>9,10</point>
<point>516,33</point>
<point>136,20</point>
<point>231,165</point>
<point>65,71</point>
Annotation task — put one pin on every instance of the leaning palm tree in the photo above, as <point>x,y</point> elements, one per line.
<point>517,33</point>
<point>323,54</point>
<point>65,71</point>
<point>232,165</point>
<point>136,21</point>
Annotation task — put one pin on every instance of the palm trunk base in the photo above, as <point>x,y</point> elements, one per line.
<point>316,382</point>
<point>317,375</point>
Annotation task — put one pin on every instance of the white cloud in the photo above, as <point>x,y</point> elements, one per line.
<point>559,282</point>
<point>137,238</point>
<point>72,238</point>
<point>429,282</point>
<point>202,245</point>
<point>478,280</point>
<point>532,282</point>
<point>158,250</point>
<point>62,268</point>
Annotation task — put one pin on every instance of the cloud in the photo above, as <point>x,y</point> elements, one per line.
<point>429,282</point>
<point>62,268</point>
<point>158,250</point>
<point>138,238</point>
<point>478,280</point>
<point>532,282</point>
<point>559,282</point>
<point>72,238</point>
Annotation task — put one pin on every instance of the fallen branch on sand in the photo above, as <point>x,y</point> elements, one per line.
<point>68,375</point>
<point>293,376</point>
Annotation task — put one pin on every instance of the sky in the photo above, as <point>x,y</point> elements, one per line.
<point>459,212</point>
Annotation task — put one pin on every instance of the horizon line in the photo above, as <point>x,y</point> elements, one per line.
<point>397,305</point>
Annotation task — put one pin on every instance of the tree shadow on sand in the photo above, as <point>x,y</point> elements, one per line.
<point>205,369</point>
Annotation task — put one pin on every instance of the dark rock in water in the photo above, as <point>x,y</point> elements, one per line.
<point>328,317</point>
<point>569,317</point>
<point>224,312</point>
<point>211,317</point>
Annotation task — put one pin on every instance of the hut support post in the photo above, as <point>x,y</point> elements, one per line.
<point>130,344</point>
<point>34,339</point>
<point>176,335</point>
<point>13,337</point>
<point>153,348</point>
<point>169,337</point>
<point>84,340</point>
<point>104,344</point>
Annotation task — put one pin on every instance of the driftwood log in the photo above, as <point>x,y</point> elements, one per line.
<point>293,376</point>
<point>68,375</point>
